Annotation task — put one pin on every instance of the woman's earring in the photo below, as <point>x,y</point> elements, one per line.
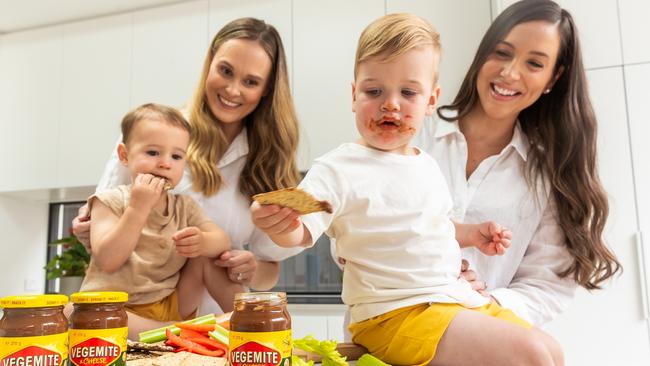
<point>547,91</point>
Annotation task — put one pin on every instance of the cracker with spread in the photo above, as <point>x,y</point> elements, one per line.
<point>294,198</point>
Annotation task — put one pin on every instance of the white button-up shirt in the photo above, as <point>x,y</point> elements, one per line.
<point>229,208</point>
<point>524,279</point>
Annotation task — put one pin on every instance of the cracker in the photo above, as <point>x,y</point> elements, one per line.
<point>294,198</point>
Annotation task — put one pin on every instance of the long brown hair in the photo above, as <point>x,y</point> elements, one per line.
<point>272,128</point>
<point>561,127</point>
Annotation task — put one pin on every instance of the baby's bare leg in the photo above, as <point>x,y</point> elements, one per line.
<point>473,338</point>
<point>199,274</point>
<point>138,324</point>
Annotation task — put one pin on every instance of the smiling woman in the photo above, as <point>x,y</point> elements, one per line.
<point>519,147</point>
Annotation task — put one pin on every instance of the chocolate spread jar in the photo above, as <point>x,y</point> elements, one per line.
<point>33,330</point>
<point>260,330</point>
<point>98,328</point>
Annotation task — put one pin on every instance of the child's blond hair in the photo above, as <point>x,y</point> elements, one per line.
<point>394,34</point>
<point>152,111</point>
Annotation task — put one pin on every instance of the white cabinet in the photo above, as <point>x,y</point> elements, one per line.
<point>598,28</point>
<point>321,321</point>
<point>325,40</point>
<point>637,79</point>
<point>460,34</point>
<point>95,95</point>
<point>607,327</point>
<point>635,29</point>
<point>169,46</point>
<point>30,92</point>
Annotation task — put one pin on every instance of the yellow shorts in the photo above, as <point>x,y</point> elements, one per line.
<point>165,310</point>
<point>410,335</point>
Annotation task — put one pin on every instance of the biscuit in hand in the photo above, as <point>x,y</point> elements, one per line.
<point>294,198</point>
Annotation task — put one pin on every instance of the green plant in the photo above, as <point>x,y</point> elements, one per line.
<point>73,261</point>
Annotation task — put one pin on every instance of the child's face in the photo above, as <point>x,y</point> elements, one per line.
<point>155,147</point>
<point>391,99</point>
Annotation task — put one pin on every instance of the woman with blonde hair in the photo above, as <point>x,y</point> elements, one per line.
<point>243,141</point>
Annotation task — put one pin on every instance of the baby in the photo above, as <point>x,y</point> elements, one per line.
<point>142,234</point>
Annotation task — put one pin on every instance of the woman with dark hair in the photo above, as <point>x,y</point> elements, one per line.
<point>518,146</point>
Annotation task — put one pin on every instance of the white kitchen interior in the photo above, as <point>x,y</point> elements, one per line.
<point>72,68</point>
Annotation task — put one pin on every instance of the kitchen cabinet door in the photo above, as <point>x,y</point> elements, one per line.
<point>30,90</point>
<point>460,33</point>
<point>607,327</point>
<point>169,45</point>
<point>96,94</point>
<point>637,79</point>
<point>325,36</point>
<point>635,29</point>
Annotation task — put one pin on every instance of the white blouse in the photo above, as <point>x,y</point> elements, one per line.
<point>229,208</point>
<point>524,279</point>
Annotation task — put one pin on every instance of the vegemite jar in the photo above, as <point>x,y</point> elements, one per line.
<point>33,330</point>
<point>98,328</point>
<point>260,330</point>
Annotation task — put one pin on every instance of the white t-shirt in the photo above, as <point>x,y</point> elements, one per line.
<point>391,226</point>
<point>523,279</point>
<point>229,208</point>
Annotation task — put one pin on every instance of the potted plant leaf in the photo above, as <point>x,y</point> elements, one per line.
<point>69,266</point>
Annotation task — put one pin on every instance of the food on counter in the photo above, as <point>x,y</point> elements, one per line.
<point>327,350</point>
<point>157,335</point>
<point>260,329</point>
<point>33,330</point>
<point>180,359</point>
<point>294,198</point>
<point>98,328</point>
<point>221,334</point>
<point>198,344</point>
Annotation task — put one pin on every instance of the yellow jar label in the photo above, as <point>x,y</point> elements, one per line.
<point>51,350</point>
<point>98,347</point>
<point>260,348</point>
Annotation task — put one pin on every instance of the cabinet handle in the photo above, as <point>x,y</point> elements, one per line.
<point>643,273</point>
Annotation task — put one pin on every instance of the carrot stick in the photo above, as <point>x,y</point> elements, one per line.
<point>196,327</point>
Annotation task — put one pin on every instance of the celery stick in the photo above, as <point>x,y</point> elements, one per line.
<point>370,360</point>
<point>223,338</point>
<point>156,335</point>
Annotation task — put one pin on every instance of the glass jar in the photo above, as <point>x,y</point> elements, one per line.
<point>98,328</point>
<point>260,329</point>
<point>33,330</point>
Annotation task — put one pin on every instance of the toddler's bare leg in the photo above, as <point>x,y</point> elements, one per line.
<point>473,338</point>
<point>199,274</point>
<point>138,324</point>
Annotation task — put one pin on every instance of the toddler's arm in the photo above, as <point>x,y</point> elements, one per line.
<point>206,240</point>
<point>281,224</point>
<point>488,237</point>
<point>114,238</point>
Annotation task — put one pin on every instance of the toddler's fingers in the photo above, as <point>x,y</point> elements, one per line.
<point>506,234</point>
<point>464,265</point>
<point>183,233</point>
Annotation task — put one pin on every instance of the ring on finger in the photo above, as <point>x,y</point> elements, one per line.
<point>240,276</point>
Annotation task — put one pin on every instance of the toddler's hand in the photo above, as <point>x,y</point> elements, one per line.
<point>274,219</point>
<point>492,239</point>
<point>146,191</point>
<point>188,241</point>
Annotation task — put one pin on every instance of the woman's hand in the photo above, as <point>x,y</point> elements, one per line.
<point>81,226</point>
<point>470,276</point>
<point>240,265</point>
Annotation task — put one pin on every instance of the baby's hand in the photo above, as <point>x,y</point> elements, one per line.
<point>274,219</point>
<point>146,191</point>
<point>491,239</point>
<point>188,241</point>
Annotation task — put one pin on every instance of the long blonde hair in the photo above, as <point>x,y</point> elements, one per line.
<point>272,128</point>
